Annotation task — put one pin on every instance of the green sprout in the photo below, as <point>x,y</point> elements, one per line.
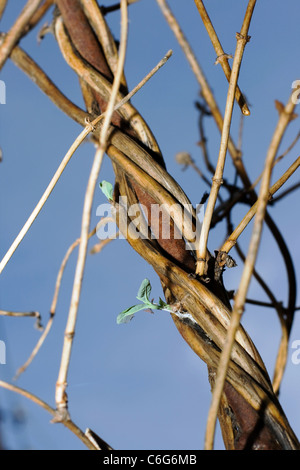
<point>107,189</point>
<point>143,295</point>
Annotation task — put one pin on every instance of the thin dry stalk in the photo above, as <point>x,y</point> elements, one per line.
<point>171,206</point>
<point>116,6</point>
<point>286,192</point>
<point>70,250</point>
<point>61,385</point>
<point>45,196</point>
<point>60,395</point>
<point>38,15</point>
<point>52,309</point>
<point>3,4</point>
<point>41,79</point>
<point>222,58</point>
<point>68,424</point>
<point>102,86</point>
<point>231,240</point>
<point>258,391</point>
<point>283,346</point>
<point>206,91</point>
<point>241,294</point>
<point>278,159</point>
<point>198,72</point>
<point>99,247</point>
<point>90,127</point>
<point>242,39</point>
<point>36,315</point>
<point>17,29</point>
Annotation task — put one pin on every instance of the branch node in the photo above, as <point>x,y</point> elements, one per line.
<point>241,37</point>
<point>61,414</point>
<point>88,123</point>
<point>218,181</point>
<point>223,57</point>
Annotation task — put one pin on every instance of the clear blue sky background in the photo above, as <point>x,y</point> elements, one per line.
<point>139,386</point>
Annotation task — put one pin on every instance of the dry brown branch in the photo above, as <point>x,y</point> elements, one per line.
<point>104,36</point>
<point>123,143</point>
<point>231,240</point>
<point>68,424</point>
<point>44,197</point>
<point>54,301</point>
<point>39,77</point>
<point>222,58</point>
<point>242,39</point>
<point>241,294</point>
<point>197,70</point>
<point>3,4</point>
<point>38,15</point>
<point>88,47</point>
<point>285,193</point>
<point>61,384</point>
<point>205,89</point>
<point>193,297</point>
<point>278,306</point>
<point>36,315</point>
<point>81,117</point>
<point>278,159</point>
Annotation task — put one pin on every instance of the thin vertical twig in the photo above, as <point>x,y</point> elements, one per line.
<point>242,39</point>
<point>192,60</point>
<point>3,4</point>
<point>47,329</point>
<point>240,298</point>
<point>60,392</point>
<point>60,395</point>
<point>222,58</point>
<point>205,89</point>
<point>278,306</point>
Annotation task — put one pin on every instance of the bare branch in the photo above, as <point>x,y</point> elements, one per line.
<point>68,424</point>
<point>221,56</point>
<point>240,297</point>
<point>242,39</point>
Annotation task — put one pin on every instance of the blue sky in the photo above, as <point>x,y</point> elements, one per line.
<point>138,385</point>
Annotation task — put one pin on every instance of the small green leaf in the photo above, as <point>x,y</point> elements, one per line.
<point>142,295</point>
<point>127,315</point>
<point>144,291</point>
<point>107,189</point>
